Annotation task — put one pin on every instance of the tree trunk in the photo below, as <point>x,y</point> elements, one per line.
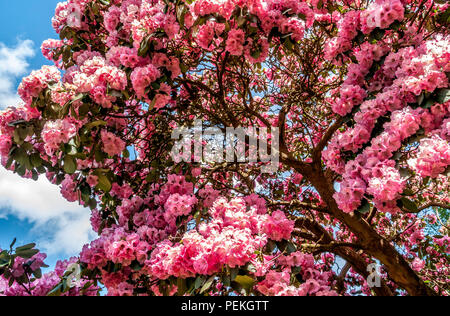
<point>397,267</point>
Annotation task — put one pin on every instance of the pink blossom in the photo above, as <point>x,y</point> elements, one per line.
<point>112,145</point>
<point>142,77</point>
<point>235,42</point>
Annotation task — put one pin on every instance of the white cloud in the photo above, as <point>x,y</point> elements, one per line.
<point>13,65</point>
<point>62,227</point>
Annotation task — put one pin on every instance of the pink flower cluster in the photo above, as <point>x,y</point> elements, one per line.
<point>278,227</point>
<point>93,74</point>
<point>115,245</point>
<point>386,185</point>
<point>432,158</point>
<point>128,208</point>
<point>37,81</point>
<point>69,189</point>
<point>418,264</point>
<point>175,185</point>
<point>208,32</point>
<point>142,77</point>
<point>382,13</point>
<point>205,7</point>
<point>112,145</point>
<point>235,42</point>
<point>316,283</point>
<point>5,145</point>
<point>350,95</point>
<point>37,261</point>
<point>348,27</point>
<point>121,191</point>
<point>293,26</point>
<point>70,13</point>
<point>231,238</point>
<point>178,205</point>
<point>257,202</point>
<point>256,51</point>
<point>58,132</point>
<point>407,74</point>
<point>125,56</point>
<point>270,13</point>
<point>48,47</point>
<point>43,285</point>
<point>208,196</point>
<point>372,170</point>
<point>171,64</point>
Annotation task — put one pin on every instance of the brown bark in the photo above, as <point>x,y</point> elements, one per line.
<point>375,245</point>
<point>357,262</point>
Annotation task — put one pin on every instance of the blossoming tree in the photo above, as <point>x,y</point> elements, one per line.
<point>359,90</point>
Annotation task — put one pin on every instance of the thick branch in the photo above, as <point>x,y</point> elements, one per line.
<point>398,268</point>
<point>317,152</point>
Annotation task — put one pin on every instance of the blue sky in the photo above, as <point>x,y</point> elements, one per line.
<point>33,211</point>
<point>27,19</point>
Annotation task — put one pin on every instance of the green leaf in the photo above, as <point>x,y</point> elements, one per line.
<point>152,104</point>
<point>320,5</point>
<point>365,207</point>
<point>256,54</point>
<point>207,284</point>
<point>27,254</point>
<point>241,21</point>
<point>78,97</point>
<point>92,204</point>
<point>410,205</point>
<point>199,281</point>
<point>36,160</point>
<point>290,248</point>
<point>444,17</point>
<point>99,155</point>
<point>103,183</point>
<point>70,149</point>
<point>271,245</point>
<point>288,44</point>
<point>234,273</point>
<point>20,155</point>
<point>251,268</point>
<point>136,266</point>
<point>145,46</point>
<point>13,243</point>
<point>70,165</point>
<point>57,290</point>
<point>245,281</point>
<point>184,68</point>
<point>443,96</point>
<point>26,247</point>
<point>5,259</point>
<point>405,172</point>
<point>95,124</point>
<point>15,123</point>
<point>21,170</point>
<point>37,273</point>
<point>181,13</point>
<point>181,285</point>
<point>377,34</point>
